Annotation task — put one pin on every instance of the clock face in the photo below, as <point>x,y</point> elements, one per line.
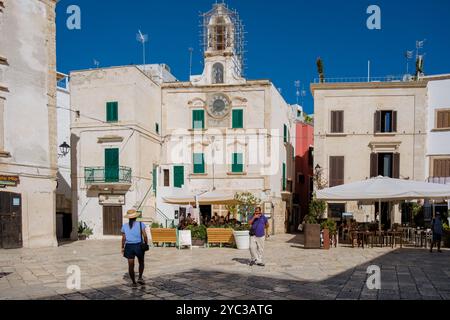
<point>219,106</point>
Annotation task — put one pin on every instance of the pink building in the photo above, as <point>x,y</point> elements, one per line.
<point>304,170</point>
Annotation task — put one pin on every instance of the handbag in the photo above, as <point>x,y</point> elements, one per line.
<point>144,246</point>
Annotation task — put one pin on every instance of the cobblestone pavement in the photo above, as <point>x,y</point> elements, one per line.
<point>291,272</point>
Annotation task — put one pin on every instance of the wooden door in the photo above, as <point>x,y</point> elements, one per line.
<point>10,220</point>
<point>112,221</point>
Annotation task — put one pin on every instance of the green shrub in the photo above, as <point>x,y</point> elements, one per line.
<point>84,229</point>
<point>155,225</point>
<point>198,232</point>
<point>330,225</point>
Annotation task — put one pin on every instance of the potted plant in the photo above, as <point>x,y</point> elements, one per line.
<point>312,226</point>
<point>446,237</point>
<point>84,231</point>
<point>241,235</point>
<point>329,233</point>
<point>198,234</point>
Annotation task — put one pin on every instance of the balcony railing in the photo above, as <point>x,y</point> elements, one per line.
<point>102,175</point>
<point>392,78</point>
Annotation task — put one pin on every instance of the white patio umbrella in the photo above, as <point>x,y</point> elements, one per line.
<point>207,198</point>
<point>382,188</point>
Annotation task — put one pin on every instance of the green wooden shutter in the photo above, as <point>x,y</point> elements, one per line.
<point>178,176</point>
<point>238,119</point>
<point>111,165</point>
<point>238,163</point>
<point>155,180</point>
<point>112,111</point>
<point>285,134</point>
<point>198,119</point>
<point>284,176</point>
<point>199,163</point>
<point>157,127</point>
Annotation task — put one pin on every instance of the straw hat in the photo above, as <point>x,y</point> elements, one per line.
<point>132,214</point>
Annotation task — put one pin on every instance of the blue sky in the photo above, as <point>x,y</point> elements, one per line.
<point>284,37</point>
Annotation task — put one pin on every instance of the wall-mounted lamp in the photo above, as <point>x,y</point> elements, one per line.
<point>64,149</point>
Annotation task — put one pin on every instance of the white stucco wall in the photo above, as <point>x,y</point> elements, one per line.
<point>27,41</point>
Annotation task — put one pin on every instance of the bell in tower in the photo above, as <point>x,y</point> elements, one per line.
<point>223,46</point>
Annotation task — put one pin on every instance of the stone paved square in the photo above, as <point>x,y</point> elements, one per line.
<point>291,273</point>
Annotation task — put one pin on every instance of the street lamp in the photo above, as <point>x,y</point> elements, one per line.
<point>64,149</point>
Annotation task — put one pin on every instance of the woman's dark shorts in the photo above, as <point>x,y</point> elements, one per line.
<point>437,237</point>
<point>133,251</point>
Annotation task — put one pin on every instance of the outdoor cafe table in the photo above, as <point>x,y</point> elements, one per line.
<point>362,237</point>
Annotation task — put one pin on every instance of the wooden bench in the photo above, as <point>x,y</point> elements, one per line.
<point>164,236</point>
<point>220,236</point>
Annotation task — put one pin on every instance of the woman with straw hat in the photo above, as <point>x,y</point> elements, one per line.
<point>134,244</point>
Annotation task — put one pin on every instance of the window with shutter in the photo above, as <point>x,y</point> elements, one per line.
<point>374,165</point>
<point>396,166</point>
<point>336,171</point>
<point>237,163</point>
<point>199,163</point>
<point>443,119</point>
<point>112,111</point>
<point>178,176</point>
<point>441,168</point>
<point>166,178</point>
<point>155,180</point>
<point>111,165</point>
<point>198,119</point>
<point>385,121</point>
<point>337,121</point>
<point>238,119</point>
<point>377,122</point>
<point>157,127</point>
<point>284,177</point>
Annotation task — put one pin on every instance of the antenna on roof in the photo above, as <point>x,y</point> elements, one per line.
<point>297,88</point>
<point>191,50</point>
<point>96,63</point>
<point>142,38</point>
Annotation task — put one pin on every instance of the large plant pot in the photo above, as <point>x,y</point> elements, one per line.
<point>82,237</point>
<point>198,243</point>
<point>326,239</point>
<point>312,236</point>
<point>242,239</point>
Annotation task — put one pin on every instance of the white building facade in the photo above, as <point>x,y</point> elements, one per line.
<point>28,155</point>
<point>225,133</point>
<point>115,146</point>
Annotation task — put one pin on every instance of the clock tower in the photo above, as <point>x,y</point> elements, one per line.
<point>223,41</point>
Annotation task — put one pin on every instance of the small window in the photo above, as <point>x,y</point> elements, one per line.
<point>336,171</point>
<point>166,178</point>
<point>199,163</point>
<point>217,73</point>
<point>238,119</point>
<point>238,163</point>
<point>337,121</point>
<point>178,176</point>
<point>441,168</point>
<point>386,121</point>
<point>443,119</point>
<point>157,127</point>
<point>285,134</point>
<point>284,181</point>
<point>198,119</point>
<point>112,111</point>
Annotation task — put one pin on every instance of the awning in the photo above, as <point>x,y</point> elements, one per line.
<point>208,198</point>
<point>382,188</point>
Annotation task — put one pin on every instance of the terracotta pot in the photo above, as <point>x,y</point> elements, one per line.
<point>326,239</point>
<point>82,237</point>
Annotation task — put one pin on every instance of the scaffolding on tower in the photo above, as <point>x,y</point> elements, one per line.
<point>221,9</point>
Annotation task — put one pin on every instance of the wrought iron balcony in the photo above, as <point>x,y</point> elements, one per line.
<point>440,180</point>
<point>102,175</point>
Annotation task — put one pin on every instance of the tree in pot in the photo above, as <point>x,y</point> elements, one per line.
<point>329,230</point>
<point>316,210</point>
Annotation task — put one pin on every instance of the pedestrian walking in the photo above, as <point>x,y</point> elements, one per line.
<point>257,237</point>
<point>438,229</point>
<point>134,245</point>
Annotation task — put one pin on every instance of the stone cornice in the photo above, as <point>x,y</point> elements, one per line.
<point>368,85</point>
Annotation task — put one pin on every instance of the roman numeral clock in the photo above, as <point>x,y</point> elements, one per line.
<point>219,107</point>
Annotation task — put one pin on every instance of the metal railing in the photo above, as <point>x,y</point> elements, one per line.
<point>393,78</point>
<point>94,175</point>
